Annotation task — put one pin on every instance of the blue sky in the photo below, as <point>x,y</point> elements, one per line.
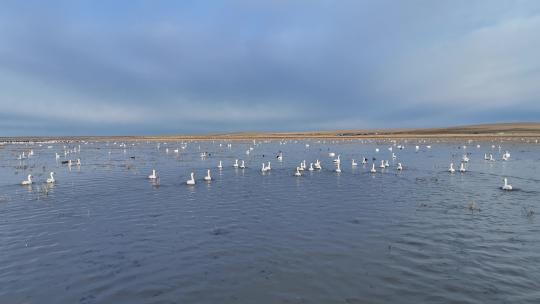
<point>166,67</point>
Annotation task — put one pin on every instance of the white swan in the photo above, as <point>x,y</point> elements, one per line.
<point>506,186</point>
<point>338,169</point>
<point>28,180</point>
<point>208,177</point>
<point>263,169</point>
<point>451,169</point>
<point>373,169</point>
<point>394,155</point>
<point>78,161</point>
<point>268,168</point>
<point>465,158</point>
<point>318,165</point>
<point>364,160</point>
<point>51,179</point>
<point>386,164</point>
<point>399,167</point>
<point>280,156</point>
<point>243,165</point>
<point>297,173</point>
<point>153,175</point>
<point>337,160</point>
<point>462,168</point>
<point>354,163</point>
<point>311,167</point>
<point>192,180</point>
<point>220,166</point>
<point>235,163</point>
<point>382,164</point>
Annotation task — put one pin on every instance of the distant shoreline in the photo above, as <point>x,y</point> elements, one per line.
<point>478,132</point>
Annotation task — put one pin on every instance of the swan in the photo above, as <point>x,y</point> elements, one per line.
<point>153,175</point>
<point>243,165</point>
<point>399,167</point>
<point>337,160</point>
<point>268,168</point>
<point>491,157</point>
<point>506,186</point>
<point>373,169</point>
<point>297,173</point>
<point>208,177</point>
<point>318,165</point>
<point>465,158</point>
<point>220,166</point>
<point>263,169</point>
<point>486,156</point>
<point>192,180</point>
<point>338,169</point>
<point>364,160</point>
<point>462,168</point>
<point>51,179</point>
<point>386,164</point>
<point>78,161</point>
<point>57,155</point>
<point>382,164</point>
<point>280,156</point>
<point>235,163</point>
<point>394,155</point>
<point>311,167</point>
<point>354,163</point>
<point>28,181</point>
<point>451,169</point>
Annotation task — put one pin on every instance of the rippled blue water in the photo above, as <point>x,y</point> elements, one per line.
<point>105,234</point>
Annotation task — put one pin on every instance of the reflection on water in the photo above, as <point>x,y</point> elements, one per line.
<point>104,233</point>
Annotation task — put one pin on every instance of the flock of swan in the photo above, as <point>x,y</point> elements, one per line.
<point>266,166</point>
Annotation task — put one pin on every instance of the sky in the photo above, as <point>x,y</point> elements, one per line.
<point>184,67</point>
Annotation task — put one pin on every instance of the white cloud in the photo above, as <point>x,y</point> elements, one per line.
<point>494,66</point>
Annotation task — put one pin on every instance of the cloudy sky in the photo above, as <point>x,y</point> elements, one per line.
<point>165,67</point>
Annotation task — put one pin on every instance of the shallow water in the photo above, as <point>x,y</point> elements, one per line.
<point>104,233</point>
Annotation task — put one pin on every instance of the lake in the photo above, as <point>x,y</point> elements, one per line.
<point>105,233</point>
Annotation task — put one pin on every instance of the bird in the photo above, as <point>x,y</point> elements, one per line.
<point>354,163</point>
<point>192,180</point>
<point>399,167</point>
<point>208,177</point>
<point>51,179</point>
<point>243,165</point>
<point>153,175</point>
<point>338,169</point>
<point>462,168</point>
<point>220,166</point>
<point>506,186</point>
<point>311,167</point>
<point>373,169</point>
<point>235,163</point>
<point>297,173</point>
<point>28,181</point>
<point>451,169</point>
<point>382,164</point>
